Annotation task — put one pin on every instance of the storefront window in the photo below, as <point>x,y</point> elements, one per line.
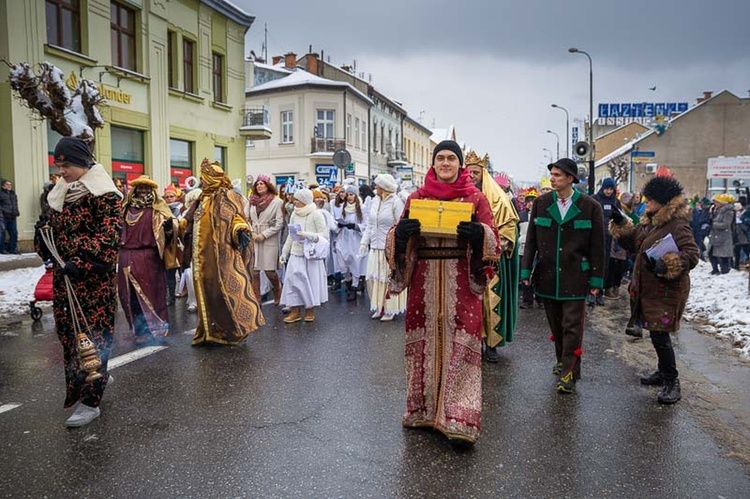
<point>180,161</point>
<point>220,155</point>
<point>127,153</point>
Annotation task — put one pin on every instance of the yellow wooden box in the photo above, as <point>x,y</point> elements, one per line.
<point>440,218</point>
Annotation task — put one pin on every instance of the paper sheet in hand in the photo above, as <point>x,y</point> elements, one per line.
<point>294,230</point>
<point>663,246</point>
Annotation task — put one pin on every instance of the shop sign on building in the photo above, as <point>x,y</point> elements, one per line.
<point>108,93</point>
<point>728,167</point>
<point>637,112</point>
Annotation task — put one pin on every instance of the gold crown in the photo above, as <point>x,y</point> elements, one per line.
<point>473,159</point>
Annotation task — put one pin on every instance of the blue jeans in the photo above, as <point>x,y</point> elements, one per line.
<point>9,226</point>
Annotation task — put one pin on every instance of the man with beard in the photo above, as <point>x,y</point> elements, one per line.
<point>500,303</point>
<point>148,248</point>
<point>220,251</point>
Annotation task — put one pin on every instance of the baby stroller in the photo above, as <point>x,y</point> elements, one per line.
<point>42,292</point>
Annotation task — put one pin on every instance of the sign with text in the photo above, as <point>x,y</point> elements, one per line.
<point>637,112</point>
<point>729,167</point>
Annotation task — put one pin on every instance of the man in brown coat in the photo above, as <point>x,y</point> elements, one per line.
<point>566,232</point>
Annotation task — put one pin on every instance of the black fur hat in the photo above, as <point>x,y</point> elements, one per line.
<point>662,189</point>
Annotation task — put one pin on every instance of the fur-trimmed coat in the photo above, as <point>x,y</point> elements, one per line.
<point>658,301</point>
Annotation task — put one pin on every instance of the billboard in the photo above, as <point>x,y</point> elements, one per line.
<point>728,167</point>
<point>637,112</point>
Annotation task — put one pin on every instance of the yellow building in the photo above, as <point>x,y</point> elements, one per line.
<point>417,149</point>
<point>172,73</point>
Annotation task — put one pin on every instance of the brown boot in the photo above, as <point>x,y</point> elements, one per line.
<point>275,286</point>
<point>293,316</point>
<point>309,314</point>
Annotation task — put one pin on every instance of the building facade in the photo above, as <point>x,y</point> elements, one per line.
<point>171,72</point>
<point>311,118</point>
<point>417,149</point>
<point>719,125</point>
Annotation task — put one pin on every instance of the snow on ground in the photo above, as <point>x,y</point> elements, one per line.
<point>17,290</point>
<point>721,301</point>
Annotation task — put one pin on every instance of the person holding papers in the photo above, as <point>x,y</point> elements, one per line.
<point>665,253</point>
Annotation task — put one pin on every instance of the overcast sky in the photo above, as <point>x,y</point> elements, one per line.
<point>493,68</point>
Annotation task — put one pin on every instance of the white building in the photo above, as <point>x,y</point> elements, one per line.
<point>311,118</point>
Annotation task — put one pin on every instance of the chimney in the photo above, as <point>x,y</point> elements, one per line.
<point>290,60</point>
<point>276,59</point>
<point>706,96</point>
<point>312,63</point>
<point>347,68</point>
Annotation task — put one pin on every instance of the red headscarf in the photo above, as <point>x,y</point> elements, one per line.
<point>433,188</point>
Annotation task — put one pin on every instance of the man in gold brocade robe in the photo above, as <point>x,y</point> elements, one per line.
<point>500,304</point>
<point>219,246</point>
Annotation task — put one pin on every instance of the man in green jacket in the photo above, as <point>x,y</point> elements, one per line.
<point>566,232</point>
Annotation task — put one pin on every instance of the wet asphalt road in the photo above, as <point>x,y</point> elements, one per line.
<point>314,410</point>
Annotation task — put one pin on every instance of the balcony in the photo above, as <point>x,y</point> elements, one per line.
<point>326,145</point>
<point>396,157</point>
<point>257,124</point>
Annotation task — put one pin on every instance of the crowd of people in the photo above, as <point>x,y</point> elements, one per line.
<point>286,249</point>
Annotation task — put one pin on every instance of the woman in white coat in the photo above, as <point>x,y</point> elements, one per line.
<point>385,210</point>
<point>266,220</point>
<point>351,223</point>
<point>305,278</point>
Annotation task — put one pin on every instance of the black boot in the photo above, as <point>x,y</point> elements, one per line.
<point>670,394</point>
<point>654,379</point>
<point>491,355</point>
<point>351,291</point>
<point>634,331</point>
<point>362,285</point>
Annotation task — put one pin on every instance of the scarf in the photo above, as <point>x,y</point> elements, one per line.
<point>138,202</point>
<point>433,188</point>
<point>305,210</point>
<point>261,203</point>
<point>152,200</point>
<point>96,182</point>
<point>350,208</point>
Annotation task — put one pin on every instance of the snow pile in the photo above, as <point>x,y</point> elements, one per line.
<point>17,290</point>
<point>721,301</point>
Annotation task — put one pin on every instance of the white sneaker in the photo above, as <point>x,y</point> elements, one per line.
<point>192,308</point>
<point>387,317</point>
<point>376,315</point>
<point>82,416</point>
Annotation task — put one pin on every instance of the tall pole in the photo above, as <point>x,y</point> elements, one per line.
<point>546,152</point>
<point>558,142</point>
<point>567,129</point>
<point>592,154</point>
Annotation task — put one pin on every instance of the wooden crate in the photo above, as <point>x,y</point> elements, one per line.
<point>440,218</point>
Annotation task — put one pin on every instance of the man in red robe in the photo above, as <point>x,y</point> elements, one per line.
<point>446,278</point>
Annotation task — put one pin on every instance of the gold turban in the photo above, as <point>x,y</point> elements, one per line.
<point>213,177</point>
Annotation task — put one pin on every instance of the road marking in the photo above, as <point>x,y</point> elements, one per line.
<point>134,355</point>
<point>8,407</point>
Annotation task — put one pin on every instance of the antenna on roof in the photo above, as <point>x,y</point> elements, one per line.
<point>265,42</point>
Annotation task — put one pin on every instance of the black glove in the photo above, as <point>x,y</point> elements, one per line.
<point>471,231</point>
<point>39,241</point>
<point>71,270</point>
<point>342,225</point>
<point>617,217</point>
<point>406,228</point>
<point>351,226</point>
<point>243,238</point>
<point>660,268</point>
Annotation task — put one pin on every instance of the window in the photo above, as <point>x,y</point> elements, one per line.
<point>220,155</point>
<point>356,133</point>
<point>218,74</point>
<point>122,29</point>
<point>349,129</point>
<point>287,127</point>
<point>171,54</point>
<point>64,24</point>
<point>180,161</point>
<point>325,122</point>
<point>364,135</point>
<point>188,70</point>
<point>127,153</point>
<point>382,138</point>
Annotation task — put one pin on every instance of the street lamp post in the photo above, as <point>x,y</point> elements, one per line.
<point>558,142</point>
<point>567,129</point>
<point>547,151</point>
<point>574,50</point>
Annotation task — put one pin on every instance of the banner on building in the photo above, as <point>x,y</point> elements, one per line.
<point>728,167</point>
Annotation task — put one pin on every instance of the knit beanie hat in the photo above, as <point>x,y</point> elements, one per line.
<point>450,145</point>
<point>662,189</point>
<point>350,189</point>
<point>73,151</point>
<point>386,182</point>
<point>304,196</point>
<point>608,183</point>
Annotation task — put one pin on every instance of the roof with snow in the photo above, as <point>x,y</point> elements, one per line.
<point>231,11</point>
<point>440,134</point>
<point>301,78</point>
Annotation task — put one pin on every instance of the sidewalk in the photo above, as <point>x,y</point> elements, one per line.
<point>13,262</point>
